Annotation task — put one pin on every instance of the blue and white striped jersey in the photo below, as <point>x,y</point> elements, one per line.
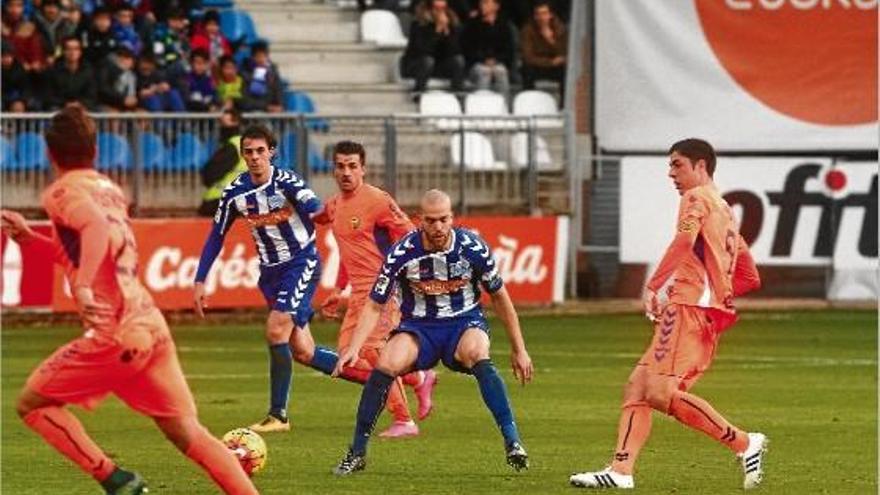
<point>438,284</point>
<point>278,213</point>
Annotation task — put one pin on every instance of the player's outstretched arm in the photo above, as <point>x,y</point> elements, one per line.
<point>370,316</point>
<point>745,273</point>
<point>223,220</point>
<point>519,357</point>
<point>16,227</point>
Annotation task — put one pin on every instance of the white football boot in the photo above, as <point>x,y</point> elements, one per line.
<point>753,460</point>
<point>605,478</point>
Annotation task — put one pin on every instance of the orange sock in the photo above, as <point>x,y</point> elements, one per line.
<point>397,404</point>
<point>60,429</point>
<point>356,375</point>
<point>220,463</point>
<point>632,433</point>
<point>414,379</point>
<point>700,415</point>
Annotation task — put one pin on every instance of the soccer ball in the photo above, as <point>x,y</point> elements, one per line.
<point>248,447</point>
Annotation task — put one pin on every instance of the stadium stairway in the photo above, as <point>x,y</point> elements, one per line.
<point>317,47</point>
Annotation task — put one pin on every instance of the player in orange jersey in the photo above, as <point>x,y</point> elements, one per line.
<point>126,348</point>
<point>366,221</point>
<point>707,264</point>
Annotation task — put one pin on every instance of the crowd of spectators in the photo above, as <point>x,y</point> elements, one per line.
<point>491,44</point>
<point>129,55</point>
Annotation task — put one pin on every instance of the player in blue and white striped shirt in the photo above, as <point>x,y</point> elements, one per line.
<point>439,272</point>
<point>278,206</point>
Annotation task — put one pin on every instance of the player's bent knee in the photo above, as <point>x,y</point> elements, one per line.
<point>278,327</point>
<point>181,430</point>
<point>659,398</point>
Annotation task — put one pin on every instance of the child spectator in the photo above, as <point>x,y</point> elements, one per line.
<point>13,17</point>
<point>229,84</point>
<point>29,50</point>
<point>434,47</point>
<point>15,82</point>
<point>117,83</point>
<point>171,47</point>
<point>71,79</point>
<point>488,48</point>
<point>99,41</point>
<point>262,82</point>
<point>124,29</point>
<point>210,39</point>
<point>154,91</point>
<point>53,26</point>
<point>199,93</point>
<point>544,47</point>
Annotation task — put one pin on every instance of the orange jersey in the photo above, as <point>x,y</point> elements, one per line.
<point>365,224</point>
<point>704,275</point>
<point>95,243</point>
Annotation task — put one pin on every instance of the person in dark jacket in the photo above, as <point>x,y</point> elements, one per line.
<point>117,83</point>
<point>225,164</point>
<point>544,43</point>
<point>155,92</point>
<point>17,95</point>
<point>261,87</point>
<point>199,92</point>
<point>71,79</point>
<point>434,47</point>
<point>53,26</point>
<point>488,48</point>
<point>99,41</point>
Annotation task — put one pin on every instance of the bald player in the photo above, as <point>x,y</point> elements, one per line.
<point>704,268</point>
<point>438,271</point>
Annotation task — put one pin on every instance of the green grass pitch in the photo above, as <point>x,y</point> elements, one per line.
<point>806,379</point>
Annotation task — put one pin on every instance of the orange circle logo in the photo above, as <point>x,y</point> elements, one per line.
<point>814,60</point>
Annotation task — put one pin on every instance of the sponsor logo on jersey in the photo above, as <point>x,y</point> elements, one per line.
<point>271,218</point>
<point>438,287</point>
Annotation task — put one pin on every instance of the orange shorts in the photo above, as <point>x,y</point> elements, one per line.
<point>138,364</point>
<point>683,345</point>
<point>388,320</point>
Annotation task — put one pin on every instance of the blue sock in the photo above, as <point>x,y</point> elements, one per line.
<point>372,402</point>
<point>495,397</point>
<point>324,360</point>
<point>280,373</point>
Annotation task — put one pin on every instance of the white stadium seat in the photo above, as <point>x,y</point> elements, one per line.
<point>382,28</point>
<point>478,154</point>
<point>488,103</point>
<point>440,103</point>
<point>519,152</point>
<point>533,102</point>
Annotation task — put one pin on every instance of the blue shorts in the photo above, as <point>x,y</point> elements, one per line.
<point>438,338</point>
<point>289,287</point>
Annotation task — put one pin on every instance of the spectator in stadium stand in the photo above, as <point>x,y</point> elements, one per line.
<point>262,90</point>
<point>488,48</point>
<point>544,43</point>
<point>99,41</point>
<point>71,79</point>
<point>29,50</point>
<point>155,92</point>
<point>434,47</point>
<point>229,83</point>
<point>13,17</point>
<point>15,84</point>
<point>199,92</point>
<point>171,47</point>
<point>209,38</point>
<point>124,29</point>
<point>53,26</point>
<point>225,164</point>
<point>117,81</point>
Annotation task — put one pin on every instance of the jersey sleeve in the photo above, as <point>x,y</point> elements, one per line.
<point>692,213</point>
<point>745,273</point>
<point>223,220</point>
<point>298,192</point>
<point>480,256</point>
<point>391,217</point>
<point>395,260</point>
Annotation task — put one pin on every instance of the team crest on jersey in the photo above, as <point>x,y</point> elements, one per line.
<point>355,223</point>
<point>459,268</point>
<point>276,201</point>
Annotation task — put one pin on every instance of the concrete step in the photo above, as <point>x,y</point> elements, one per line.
<point>360,99</point>
<point>331,53</point>
<point>265,15</point>
<point>323,72</point>
<point>303,31</point>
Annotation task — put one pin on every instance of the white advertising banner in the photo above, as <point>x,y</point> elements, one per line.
<point>793,211</point>
<point>753,75</point>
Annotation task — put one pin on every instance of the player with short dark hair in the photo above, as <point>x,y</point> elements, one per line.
<point>365,221</point>
<point>127,349</point>
<point>438,271</point>
<point>278,206</point>
<point>704,268</point>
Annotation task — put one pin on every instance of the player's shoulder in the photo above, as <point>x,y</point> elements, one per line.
<point>467,237</point>
<point>285,176</point>
<point>70,186</point>
<point>406,246</point>
<point>241,183</point>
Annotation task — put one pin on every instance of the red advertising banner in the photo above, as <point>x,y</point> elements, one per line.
<point>530,253</point>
